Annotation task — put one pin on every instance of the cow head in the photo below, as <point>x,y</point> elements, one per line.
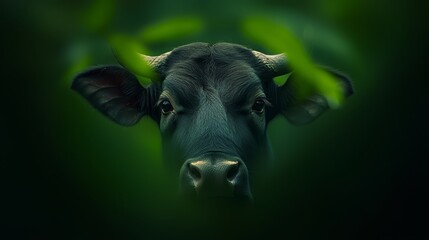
<point>212,104</point>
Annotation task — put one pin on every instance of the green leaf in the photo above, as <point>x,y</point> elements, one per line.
<point>127,51</point>
<point>279,39</point>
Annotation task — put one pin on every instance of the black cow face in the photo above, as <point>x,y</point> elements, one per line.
<point>213,104</point>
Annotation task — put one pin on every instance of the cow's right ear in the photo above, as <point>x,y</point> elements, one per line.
<point>115,92</point>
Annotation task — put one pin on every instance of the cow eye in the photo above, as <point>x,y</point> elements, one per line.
<point>166,106</point>
<point>258,105</point>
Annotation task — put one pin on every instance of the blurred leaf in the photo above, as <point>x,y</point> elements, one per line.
<point>127,51</point>
<point>280,80</point>
<point>312,79</point>
<point>171,29</point>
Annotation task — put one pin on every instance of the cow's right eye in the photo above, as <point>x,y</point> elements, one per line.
<point>166,106</point>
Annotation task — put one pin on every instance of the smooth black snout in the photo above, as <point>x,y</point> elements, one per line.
<point>215,176</point>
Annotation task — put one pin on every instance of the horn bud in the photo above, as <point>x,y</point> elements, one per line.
<point>156,63</point>
<point>275,65</point>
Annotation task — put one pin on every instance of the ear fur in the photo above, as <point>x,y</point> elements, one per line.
<point>113,91</point>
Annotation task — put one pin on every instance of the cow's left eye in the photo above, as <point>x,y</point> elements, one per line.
<point>166,106</point>
<point>258,105</point>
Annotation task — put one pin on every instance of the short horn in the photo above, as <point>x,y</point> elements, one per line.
<point>275,65</point>
<point>156,63</point>
<point>142,65</point>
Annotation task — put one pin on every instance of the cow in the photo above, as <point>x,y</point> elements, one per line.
<point>212,103</point>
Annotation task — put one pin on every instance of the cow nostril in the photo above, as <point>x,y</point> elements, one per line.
<point>233,172</point>
<point>194,172</point>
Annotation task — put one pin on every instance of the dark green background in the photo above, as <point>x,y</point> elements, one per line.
<point>357,172</point>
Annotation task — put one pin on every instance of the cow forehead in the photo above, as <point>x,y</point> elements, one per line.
<point>218,51</point>
<point>232,81</point>
<point>201,61</point>
<point>227,69</point>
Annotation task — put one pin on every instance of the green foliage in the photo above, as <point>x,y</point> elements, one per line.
<point>312,80</point>
<point>128,52</point>
<point>128,49</point>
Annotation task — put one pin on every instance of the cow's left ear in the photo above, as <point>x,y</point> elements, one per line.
<point>115,92</point>
<point>300,111</point>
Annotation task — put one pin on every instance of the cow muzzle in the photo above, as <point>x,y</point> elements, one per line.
<point>215,176</point>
